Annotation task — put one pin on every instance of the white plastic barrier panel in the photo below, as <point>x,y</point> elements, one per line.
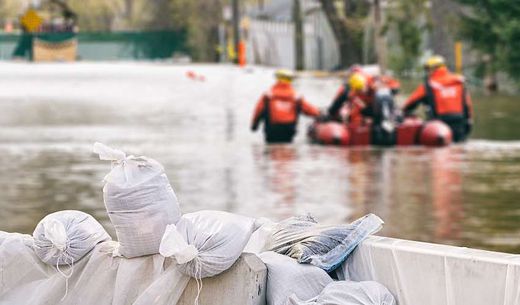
<point>431,274</point>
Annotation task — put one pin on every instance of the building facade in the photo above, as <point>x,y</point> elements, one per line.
<point>271,36</point>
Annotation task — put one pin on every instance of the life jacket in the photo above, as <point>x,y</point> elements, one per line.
<point>281,106</point>
<point>356,111</point>
<point>446,93</point>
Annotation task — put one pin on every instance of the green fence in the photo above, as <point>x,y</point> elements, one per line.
<point>104,46</point>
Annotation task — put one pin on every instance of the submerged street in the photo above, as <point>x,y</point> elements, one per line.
<point>51,114</point>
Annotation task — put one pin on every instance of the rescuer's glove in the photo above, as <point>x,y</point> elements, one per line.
<point>323,117</point>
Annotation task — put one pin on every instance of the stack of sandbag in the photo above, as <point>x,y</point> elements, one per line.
<point>206,243</point>
<point>98,278</point>
<point>303,239</point>
<point>348,293</point>
<point>286,277</point>
<point>19,266</point>
<point>302,252</point>
<point>216,240</point>
<point>139,200</point>
<point>64,237</point>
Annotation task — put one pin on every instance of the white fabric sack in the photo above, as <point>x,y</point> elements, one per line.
<point>207,243</point>
<point>349,293</point>
<point>174,245</point>
<point>139,200</point>
<point>286,277</point>
<point>64,237</point>
<point>98,278</point>
<point>18,263</point>
<point>324,246</point>
<point>260,239</point>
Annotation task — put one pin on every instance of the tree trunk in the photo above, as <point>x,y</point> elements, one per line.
<point>349,52</point>
<point>350,6</point>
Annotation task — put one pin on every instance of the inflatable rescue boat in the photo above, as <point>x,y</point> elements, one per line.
<point>412,131</point>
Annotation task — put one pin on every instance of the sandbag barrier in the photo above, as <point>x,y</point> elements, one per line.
<point>162,257</point>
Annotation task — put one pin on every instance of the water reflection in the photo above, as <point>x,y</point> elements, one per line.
<point>281,162</point>
<point>37,183</point>
<point>447,197</point>
<point>276,165</point>
<point>420,193</point>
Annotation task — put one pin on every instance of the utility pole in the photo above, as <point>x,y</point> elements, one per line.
<point>299,43</point>
<point>236,27</point>
<point>379,40</point>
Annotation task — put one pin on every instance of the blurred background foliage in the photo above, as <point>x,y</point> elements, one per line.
<point>489,28</point>
<point>493,29</point>
<point>10,8</point>
<point>199,18</point>
<point>408,20</point>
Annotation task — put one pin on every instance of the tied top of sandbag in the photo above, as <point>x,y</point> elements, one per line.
<point>206,243</point>
<point>64,237</point>
<point>174,245</point>
<point>56,233</point>
<point>127,171</point>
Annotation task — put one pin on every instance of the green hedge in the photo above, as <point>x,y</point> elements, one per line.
<point>104,46</point>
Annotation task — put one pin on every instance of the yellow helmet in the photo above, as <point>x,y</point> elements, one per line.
<point>357,82</point>
<point>434,62</point>
<point>284,75</point>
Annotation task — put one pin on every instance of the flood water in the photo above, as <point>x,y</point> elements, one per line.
<point>50,115</point>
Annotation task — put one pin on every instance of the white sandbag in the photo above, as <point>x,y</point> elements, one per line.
<point>324,246</point>
<point>207,243</point>
<point>139,200</point>
<point>98,279</point>
<point>64,237</point>
<point>19,264</point>
<point>286,277</point>
<point>260,239</point>
<point>349,293</point>
<point>174,245</point>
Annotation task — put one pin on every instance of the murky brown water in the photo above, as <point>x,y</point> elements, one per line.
<point>50,115</point>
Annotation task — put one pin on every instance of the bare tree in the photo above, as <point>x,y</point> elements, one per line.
<point>346,28</point>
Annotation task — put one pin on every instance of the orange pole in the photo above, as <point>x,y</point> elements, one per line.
<point>241,53</point>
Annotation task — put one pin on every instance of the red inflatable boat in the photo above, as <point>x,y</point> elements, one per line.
<point>412,131</point>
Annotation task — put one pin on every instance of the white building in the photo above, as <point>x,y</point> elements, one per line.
<point>270,37</point>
